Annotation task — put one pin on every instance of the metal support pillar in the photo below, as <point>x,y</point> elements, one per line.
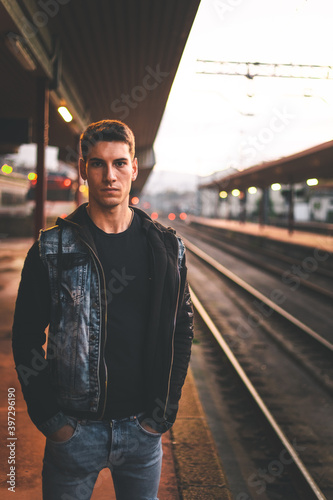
<point>242,214</point>
<point>199,202</point>
<point>291,217</point>
<point>217,204</point>
<point>263,210</point>
<point>42,142</point>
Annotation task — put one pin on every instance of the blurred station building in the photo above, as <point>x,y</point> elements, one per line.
<point>293,190</point>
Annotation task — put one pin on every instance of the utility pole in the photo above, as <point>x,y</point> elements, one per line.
<point>42,142</point>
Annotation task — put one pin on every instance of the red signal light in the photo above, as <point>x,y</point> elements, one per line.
<point>67,182</point>
<point>183,216</point>
<point>171,216</point>
<point>154,215</point>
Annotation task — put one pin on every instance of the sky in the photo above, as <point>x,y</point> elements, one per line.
<point>213,122</point>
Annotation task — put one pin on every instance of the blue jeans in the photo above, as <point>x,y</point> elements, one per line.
<point>133,454</point>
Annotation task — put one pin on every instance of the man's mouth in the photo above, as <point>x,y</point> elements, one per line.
<point>109,189</point>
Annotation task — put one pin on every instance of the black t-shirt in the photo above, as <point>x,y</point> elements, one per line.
<point>124,258</point>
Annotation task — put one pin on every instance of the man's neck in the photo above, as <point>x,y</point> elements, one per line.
<point>113,220</point>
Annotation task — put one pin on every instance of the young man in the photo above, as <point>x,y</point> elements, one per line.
<point>111,285</point>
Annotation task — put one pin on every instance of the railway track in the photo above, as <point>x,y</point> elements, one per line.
<point>286,361</point>
<point>258,295</point>
<point>303,344</point>
<point>300,475</point>
<point>310,274</point>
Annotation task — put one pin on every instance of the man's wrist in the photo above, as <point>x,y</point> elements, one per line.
<point>53,424</point>
<point>159,427</point>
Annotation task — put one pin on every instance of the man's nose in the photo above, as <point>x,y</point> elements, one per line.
<point>110,173</point>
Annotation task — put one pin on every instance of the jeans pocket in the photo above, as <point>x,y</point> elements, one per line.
<point>145,431</point>
<point>76,426</point>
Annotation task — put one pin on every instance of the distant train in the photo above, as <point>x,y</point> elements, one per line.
<point>60,187</point>
<point>17,194</point>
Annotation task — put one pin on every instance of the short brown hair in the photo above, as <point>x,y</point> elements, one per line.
<point>107,131</point>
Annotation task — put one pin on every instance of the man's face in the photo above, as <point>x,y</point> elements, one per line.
<point>109,171</point>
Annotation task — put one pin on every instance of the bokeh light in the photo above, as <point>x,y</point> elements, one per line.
<point>6,169</point>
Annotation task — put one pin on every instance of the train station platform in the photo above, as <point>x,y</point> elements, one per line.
<point>278,234</point>
<point>191,465</point>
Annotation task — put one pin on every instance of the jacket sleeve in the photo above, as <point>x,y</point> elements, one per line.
<point>183,338</point>
<point>31,318</point>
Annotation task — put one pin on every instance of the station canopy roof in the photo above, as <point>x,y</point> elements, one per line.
<point>316,162</point>
<point>104,58</point>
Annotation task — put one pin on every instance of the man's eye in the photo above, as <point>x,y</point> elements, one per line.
<point>96,164</point>
<point>120,163</point>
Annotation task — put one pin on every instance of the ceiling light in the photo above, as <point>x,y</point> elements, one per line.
<point>276,186</point>
<point>65,114</point>
<point>312,182</point>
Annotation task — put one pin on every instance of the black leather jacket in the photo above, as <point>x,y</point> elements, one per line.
<point>169,336</point>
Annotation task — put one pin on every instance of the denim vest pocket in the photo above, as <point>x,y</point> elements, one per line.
<point>73,268</point>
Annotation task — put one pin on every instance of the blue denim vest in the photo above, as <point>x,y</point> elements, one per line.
<point>76,322</point>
